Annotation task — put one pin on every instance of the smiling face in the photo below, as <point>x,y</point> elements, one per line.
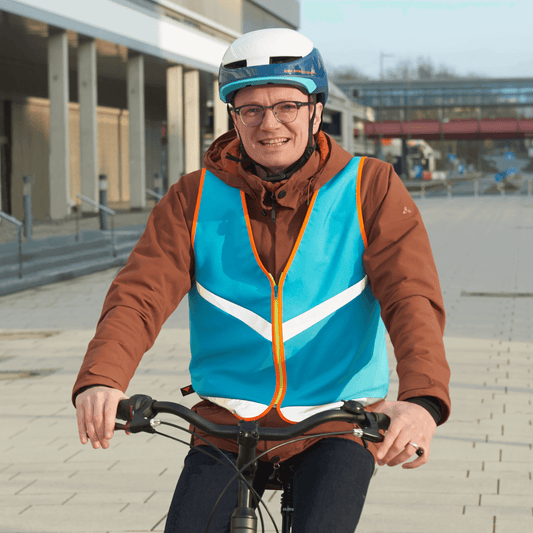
<point>272,144</point>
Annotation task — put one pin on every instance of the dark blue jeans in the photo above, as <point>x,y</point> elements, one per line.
<point>330,484</point>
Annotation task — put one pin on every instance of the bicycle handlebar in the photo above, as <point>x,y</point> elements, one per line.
<point>139,410</point>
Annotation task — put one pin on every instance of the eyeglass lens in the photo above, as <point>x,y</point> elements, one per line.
<point>285,112</point>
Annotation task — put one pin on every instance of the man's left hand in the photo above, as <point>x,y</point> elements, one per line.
<point>410,423</point>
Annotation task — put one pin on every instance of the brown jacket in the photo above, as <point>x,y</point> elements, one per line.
<point>397,260</point>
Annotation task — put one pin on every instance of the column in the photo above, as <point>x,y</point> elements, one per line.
<point>59,158</point>
<point>191,81</point>
<point>137,155</point>
<point>347,131</point>
<point>87,94</point>
<point>220,113</point>
<point>176,163</point>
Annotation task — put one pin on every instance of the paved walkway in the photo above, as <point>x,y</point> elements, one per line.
<point>479,478</point>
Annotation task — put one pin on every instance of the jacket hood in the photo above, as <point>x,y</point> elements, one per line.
<point>328,159</point>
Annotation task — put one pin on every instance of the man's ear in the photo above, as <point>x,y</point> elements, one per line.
<point>231,114</point>
<point>237,127</point>
<point>234,119</point>
<point>318,117</point>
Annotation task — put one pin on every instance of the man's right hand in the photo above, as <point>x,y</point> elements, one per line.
<point>96,410</point>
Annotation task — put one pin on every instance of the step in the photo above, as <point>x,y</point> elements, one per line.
<point>63,244</point>
<point>100,249</point>
<point>58,258</point>
<point>63,273</point>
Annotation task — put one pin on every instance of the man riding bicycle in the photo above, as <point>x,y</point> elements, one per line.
<point>295,256</point>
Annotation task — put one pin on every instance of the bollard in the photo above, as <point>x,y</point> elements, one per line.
<point>529,187</point>
<point>102,188</point>
<point>476,188</point>
<point>423,192</point>
<point>449,187</point>
<point>26,204</point>
<point>76,209</point>
<point>158,184</point>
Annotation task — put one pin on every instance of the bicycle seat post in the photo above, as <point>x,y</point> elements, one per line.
<point>244,519</point>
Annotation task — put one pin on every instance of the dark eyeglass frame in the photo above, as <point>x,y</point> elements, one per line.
<point>238,110</point>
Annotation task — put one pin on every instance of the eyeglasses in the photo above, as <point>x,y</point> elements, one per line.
<point>285,112</point>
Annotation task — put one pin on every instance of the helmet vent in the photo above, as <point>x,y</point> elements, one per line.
<point>283,59</point>
<point>236,64</point>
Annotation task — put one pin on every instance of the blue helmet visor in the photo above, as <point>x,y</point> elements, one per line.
<point>307,73</point>
<point>300,83</point>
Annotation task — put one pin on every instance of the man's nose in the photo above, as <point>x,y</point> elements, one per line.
<point>269,119</point>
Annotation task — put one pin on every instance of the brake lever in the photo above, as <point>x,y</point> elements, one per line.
<point>140,423</point>
<point>366,421</point>
<point>371,431</point>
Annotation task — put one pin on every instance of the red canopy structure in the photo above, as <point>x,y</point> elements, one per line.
<point>470,129</point>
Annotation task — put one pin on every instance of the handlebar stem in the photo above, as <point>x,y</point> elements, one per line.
<point>244,518</point>
<point>247,440</point>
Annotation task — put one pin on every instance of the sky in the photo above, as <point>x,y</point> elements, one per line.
<point>490,38</point>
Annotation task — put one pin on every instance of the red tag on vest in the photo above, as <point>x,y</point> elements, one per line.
<point>185,391</point>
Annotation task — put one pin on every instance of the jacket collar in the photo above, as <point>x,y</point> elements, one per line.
<point>326,161</point>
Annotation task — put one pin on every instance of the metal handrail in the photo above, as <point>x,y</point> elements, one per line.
<point>19,225</point>
<point>154,194</point>
<point>105,210</point>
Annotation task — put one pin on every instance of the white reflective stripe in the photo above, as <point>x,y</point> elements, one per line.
<point>241,408</point>
<point>299,413</point>
<point>257,323</point>
<point>249,409</point>
<point>295,325</point>
<point>300,323</point>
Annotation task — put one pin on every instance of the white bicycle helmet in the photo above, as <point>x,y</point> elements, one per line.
<point>273,56</point>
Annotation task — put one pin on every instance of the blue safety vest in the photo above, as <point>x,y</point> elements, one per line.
<point>314,338</point>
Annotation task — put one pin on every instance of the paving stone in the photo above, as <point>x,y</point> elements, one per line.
<point>501,511</point>
<point>67,518</point>
<point>98,481</point>
<point>507,466</point>
<point>512,523</point>
<point>508,501</point>
<point>25,500</point>
<point>432,482</point>
<point>417,518</point>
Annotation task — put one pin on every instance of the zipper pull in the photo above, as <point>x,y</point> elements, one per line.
<point>276,291</point>
<point>273,215</point>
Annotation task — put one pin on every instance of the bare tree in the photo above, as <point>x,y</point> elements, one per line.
<point>405,69</point>
<point>425,69</point>
<point>346,73</point>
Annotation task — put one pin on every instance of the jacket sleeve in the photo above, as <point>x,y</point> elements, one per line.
<point>402,272</point>
<point>146,291</point>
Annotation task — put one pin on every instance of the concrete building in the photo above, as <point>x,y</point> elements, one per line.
<point>344,120</point>
<point>445,99</point>
<point>123,88</point>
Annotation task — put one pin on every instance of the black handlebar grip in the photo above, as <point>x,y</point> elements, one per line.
<point>138,402</point>
<point>125,410</point>
<point>383,420</point>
